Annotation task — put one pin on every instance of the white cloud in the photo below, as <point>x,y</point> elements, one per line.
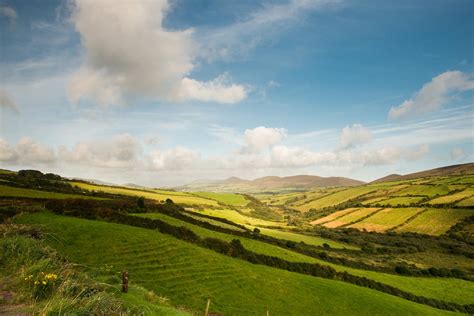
<point>8,12</point>
<point>457,153</point>
<point>7,102</point>
<point>175,159</point>
<point>352,136</point>
<point>383,156</point>
<point>434,94</point>
<point>218,90</point>
<point>261,138</point>
<point>121,151</point>
<point>30,151</point>
<point>128,52</point>
<point>7,153</point>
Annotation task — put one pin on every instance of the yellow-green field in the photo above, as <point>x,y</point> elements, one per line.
<point>386,219</point>
<point>238,218</point>
<point>403,200</point>
<point>453,197</point>
<point>352,217</point>
<point>37,194</point>
<point>158,195</point>
<point>225,198</point>
<point>435,221</point>
<point>333,216</point>
<point>335,198</point>
<point>424,190</point>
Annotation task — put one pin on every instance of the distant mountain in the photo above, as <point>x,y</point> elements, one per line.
<point>271,183</point>
<point>453,170</point>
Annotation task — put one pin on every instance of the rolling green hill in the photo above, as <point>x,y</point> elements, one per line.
<point>190,275</point>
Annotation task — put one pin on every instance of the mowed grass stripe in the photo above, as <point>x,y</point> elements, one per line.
<point>250,244</point>
<point>435,221</point>
<point>283,292</point>
<point>435,288</point>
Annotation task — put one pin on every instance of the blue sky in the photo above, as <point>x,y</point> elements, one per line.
<point>167,92</point>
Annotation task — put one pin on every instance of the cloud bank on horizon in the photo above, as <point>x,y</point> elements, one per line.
<point>134,90</point>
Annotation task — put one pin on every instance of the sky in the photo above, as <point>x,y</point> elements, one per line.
<point>163,93</point>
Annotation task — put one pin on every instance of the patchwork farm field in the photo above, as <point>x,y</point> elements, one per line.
<point>387,219</point>
<point>443,289</point>
<point>352,217</point>
<point>190,275</point>
<point>435,221</point>
<point>453,197</point>
<point>335,198</point>
<point>404,201</point>
<point>424,190</point>
<point>157,195</point>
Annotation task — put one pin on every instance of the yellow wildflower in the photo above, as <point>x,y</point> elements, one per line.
<point>44,282</point>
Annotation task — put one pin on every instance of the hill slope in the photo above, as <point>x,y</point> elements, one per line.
<point>271,183</point>
<point>454,170</point>
<point>190,275</point>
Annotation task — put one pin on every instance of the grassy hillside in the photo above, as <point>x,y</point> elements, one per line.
<point>158,195</point>
<point>8,191</point>
<point>438,288</point>
<point>190,275</point>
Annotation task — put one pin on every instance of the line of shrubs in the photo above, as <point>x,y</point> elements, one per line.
<point>236,250</point>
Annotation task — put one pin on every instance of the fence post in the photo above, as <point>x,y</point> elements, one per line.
<point>125,281</point>
<point>207,307</point>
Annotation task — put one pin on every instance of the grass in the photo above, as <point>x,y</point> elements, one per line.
<point>403,200</point>
<point>73,291</point>
<point>435,221</point>
<point>424,190</point>
<point>158,195</point>
<point>231,199</point>
<point>466,202</point>
<point>386,219</point>
<point>452,198</point>
<point>263,225</point>
<point>333,216</point>
<point>239,218</point>
<point>250,244</point>
<point>189,275</point>
<point>8,191</point>
<point>335,198</point>
<point>351,217</point>
<point>442,289</point>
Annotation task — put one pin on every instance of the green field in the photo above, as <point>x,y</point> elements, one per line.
<point>158,195</point>
<point>251,223</point>
<point>424,190</point>
<point>435,221</point>
<point>225,198</point>
<point>8,191</point>
<point>333,216</point>
<point>403,200</point>
<point>452,198</point>
<point>443,289</point>
<point>352,217</point>
<point>469,202</point>
<point>239,218</point>
<point>335,198</point>
<point>189,275</point>
<point>386,219</point>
